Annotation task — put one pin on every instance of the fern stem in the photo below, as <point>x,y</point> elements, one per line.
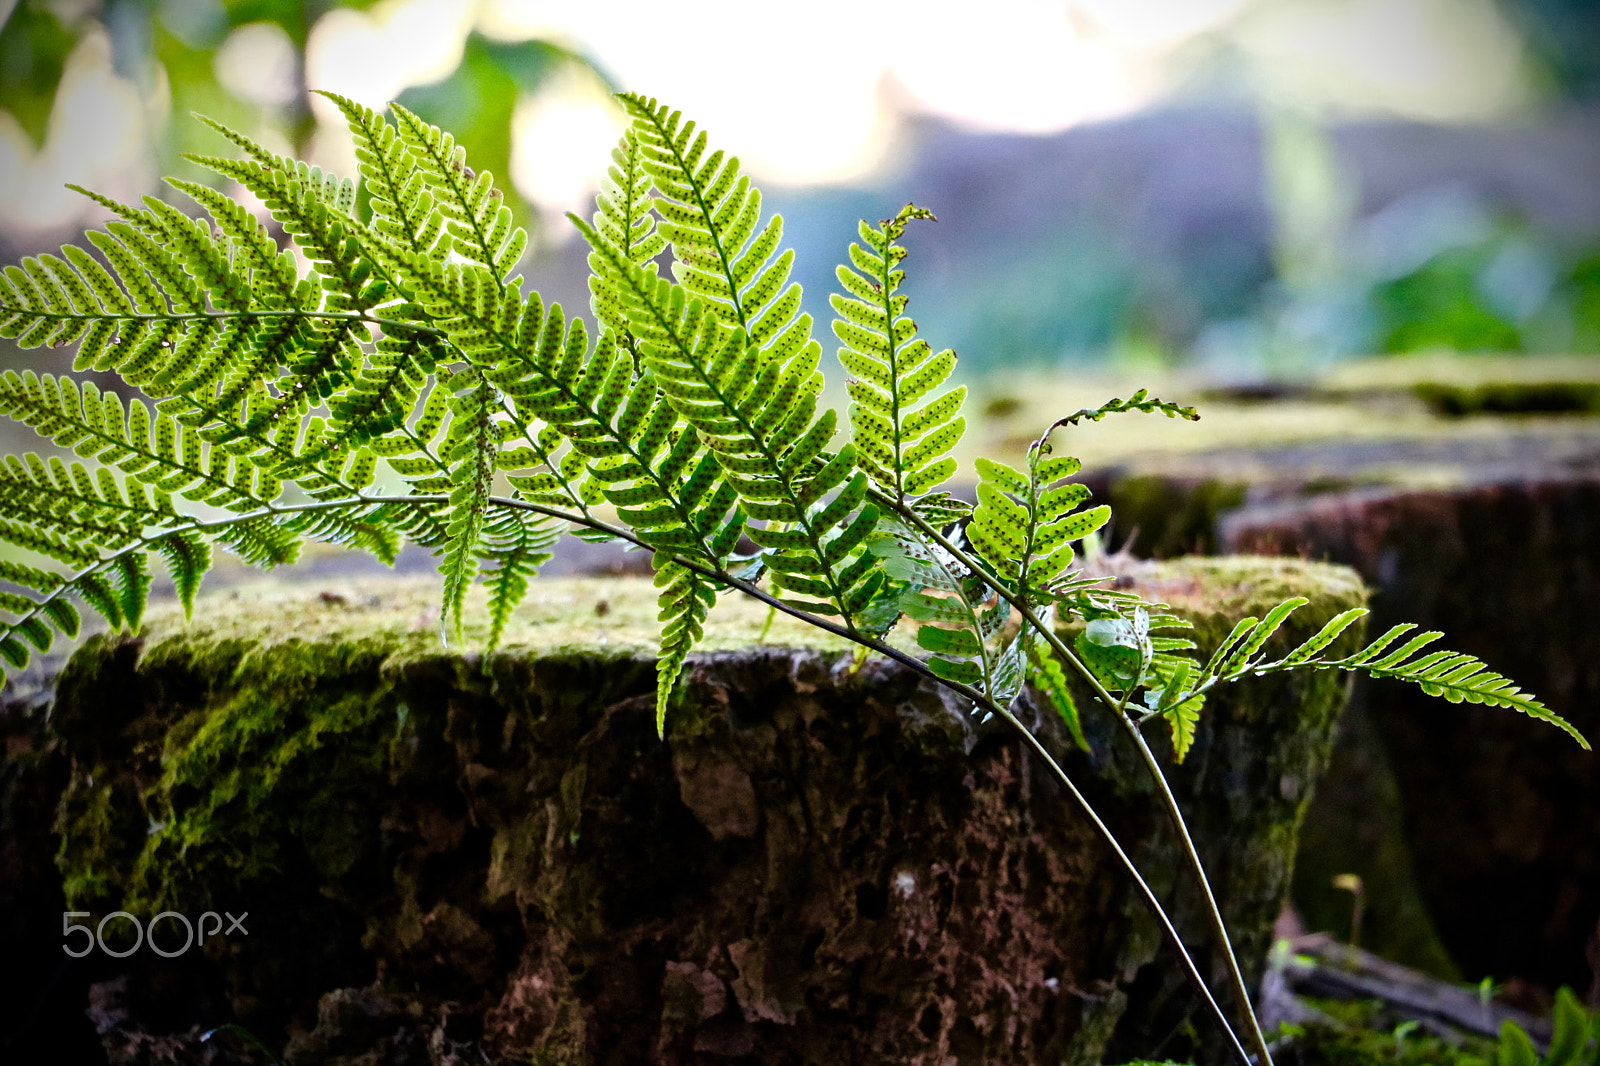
<point>1213,912</point>
<point>1219,928</point>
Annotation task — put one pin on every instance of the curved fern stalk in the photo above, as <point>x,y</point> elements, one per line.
<point>904,447</point>
<point>480,226</point>
<point>1455,676</point>
<point>710,214</point>
<point>623,217</point>
<point>754,410</point>
<point>1042,631</point>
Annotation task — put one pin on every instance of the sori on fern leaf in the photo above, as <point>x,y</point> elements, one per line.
<point>400,387</point>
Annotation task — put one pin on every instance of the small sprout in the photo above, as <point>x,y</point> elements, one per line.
<point>1352,884</point>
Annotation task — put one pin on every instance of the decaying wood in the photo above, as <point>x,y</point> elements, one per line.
<point>1317,965</point>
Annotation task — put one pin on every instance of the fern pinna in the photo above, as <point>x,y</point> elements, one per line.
<point>399,386</point>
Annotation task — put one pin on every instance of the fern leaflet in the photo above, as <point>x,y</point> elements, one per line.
<point>903,446</point>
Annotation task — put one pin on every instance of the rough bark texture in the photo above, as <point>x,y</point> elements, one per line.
<point>446,860</point>
<point>1498,810</point>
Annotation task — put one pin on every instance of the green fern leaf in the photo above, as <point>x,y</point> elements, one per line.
<point>1239,660</point>
<point>314,209</point>
<point>904,447</point>
<point>481,227</point>
<point>685,600</point>
<point>623,218</point>
<point>188,558</point>
<point>1048,677</point>
<point>516,546</point>
<point>1325,636</point>
<point>470,447</point>
<point>402,207</point>
<point>711,215</point>
<point>753,409</point>
<point>1139,401</point>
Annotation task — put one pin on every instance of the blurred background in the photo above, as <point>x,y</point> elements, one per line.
<point>1254,189</point>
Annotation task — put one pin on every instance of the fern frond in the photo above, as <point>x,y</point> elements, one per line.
<point>402,206</point>
<point>1457,677</point>
<point>710,213</point>
<point>116,587</point>
<point>754,411</point>
<point>1453,675</point>
<point>161,460</point>
<point>904,446</point>
<point>273,276</point>
<point>157,451</point>
<point>480,225</point>
<point>622,216</point>
<point>314,209</point>
<point>620,433</point>
<point>188,557</point>
<point>685,600</point>
<point>1024,525</point>
<point>957,613</point>
<point>517,545</point>
<point>1139,401</point>
<point>470,447</point>
<point>383,393</point>
<point>1048,677</point>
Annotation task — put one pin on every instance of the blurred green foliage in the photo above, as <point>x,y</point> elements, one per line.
<point>1457,300</point>
<point>172,45</point>
<point>1441,305</point>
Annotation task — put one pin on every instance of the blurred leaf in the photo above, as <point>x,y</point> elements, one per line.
<point>1442,305</point>
<point>33,48</point>
<point>476,101</point>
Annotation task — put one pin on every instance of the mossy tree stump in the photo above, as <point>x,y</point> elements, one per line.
<point>441,853</point>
